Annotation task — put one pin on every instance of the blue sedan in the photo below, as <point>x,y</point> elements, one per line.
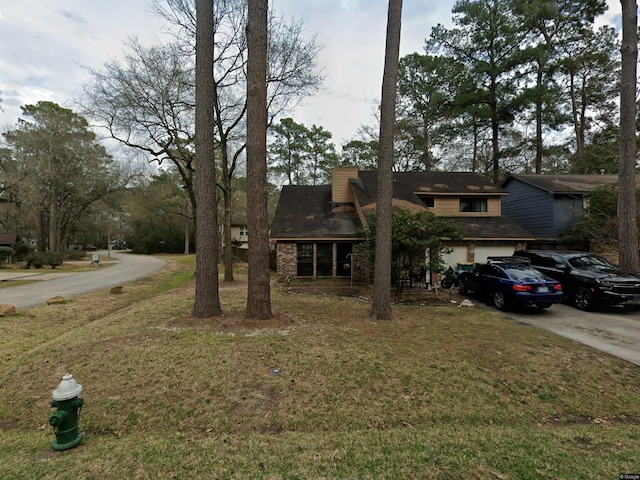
<point>509,282</point>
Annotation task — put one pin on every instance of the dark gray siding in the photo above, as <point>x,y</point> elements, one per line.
<point>568,209</point>
<point>529,207</point>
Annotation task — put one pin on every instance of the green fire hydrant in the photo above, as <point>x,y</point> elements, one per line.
<point>65,420</point>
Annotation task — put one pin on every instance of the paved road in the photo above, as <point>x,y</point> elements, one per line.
<point>128,268</point>
<point>610,330</point>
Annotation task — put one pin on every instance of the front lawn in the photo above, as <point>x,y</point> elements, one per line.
<point>441,392</point>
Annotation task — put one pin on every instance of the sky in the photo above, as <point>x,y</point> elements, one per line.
<point>47,46</point>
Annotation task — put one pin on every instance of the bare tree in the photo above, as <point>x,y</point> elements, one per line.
<point>207,299</point>
<point>259,289</point>
<point>627,206</point>
<point>146,102</point>
<point>381,306</point>
<point>290,77</point>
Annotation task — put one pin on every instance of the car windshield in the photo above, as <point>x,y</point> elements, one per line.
<point>591,262</point>
<point>525,274</point>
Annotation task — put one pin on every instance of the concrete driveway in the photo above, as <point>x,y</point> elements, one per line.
<point>129,267</point>
<point>610,330</point>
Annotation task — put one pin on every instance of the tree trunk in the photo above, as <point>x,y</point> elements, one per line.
<point>207,300</point>
<point>627,204</point>
<point>259,288</point>
<point>43,229</point>
<point>228,245</point>
<point>476,140</point>
<point>186,235</point>
<point>578,122</point>
<point>226,187</point>
<point>381,306</point>
<point>427,160</point>
<point>539,107</point>
<point>53,223</point>
<point>495,133</point>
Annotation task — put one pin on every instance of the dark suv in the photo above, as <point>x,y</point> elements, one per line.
<point>587,280</point>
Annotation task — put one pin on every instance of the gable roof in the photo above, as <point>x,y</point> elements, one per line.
<point>9,239</point>
<point>564,184</point>
<point>239,219</point>
<point>408,185</point>
<point>306,211</point>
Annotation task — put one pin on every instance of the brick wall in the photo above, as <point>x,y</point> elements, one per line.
<point>286,261</point>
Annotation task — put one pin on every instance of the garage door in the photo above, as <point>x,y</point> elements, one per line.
<point>458,255</point>
<point>484,251</point>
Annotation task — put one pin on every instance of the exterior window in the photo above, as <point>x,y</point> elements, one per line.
<point>324,259</point>
<point>318,259</point>
<point>305,260</point>
<point>244,231</point>
<point>476,205</point>
<point>429,202</point>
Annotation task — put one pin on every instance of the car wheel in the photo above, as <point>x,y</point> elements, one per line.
<point>499,301</point>
<point>631,308</point>
<point>446,282</point>
<point>463,287</point>
<point>582,299</point>
<point>543,305</point>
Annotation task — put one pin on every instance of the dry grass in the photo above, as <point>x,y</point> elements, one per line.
<point>440,392</point>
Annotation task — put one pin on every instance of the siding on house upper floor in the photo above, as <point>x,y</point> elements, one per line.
<point>450,207</point>
<point>568,209</point>
<point>547,204</point>
<point>340,190</point>
<point>236,234</point>
<point>531,208</point>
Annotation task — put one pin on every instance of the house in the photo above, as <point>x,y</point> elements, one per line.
<point>239,231</point>
<point>317,229</point>
<point>240,236</point>
<point>546,204</point>
<point>9,239</point>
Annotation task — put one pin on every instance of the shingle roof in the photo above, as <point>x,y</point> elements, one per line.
<point>569,184</point>
<point>9,239</point>
<point>306,211</point>
<point>406,185</point>
<point>491,228</point>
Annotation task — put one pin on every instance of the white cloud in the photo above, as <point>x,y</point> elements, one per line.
<point>353,35</point>
<point>46,46</point>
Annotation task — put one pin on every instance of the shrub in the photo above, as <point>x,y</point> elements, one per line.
<point>35,260</point>
<point>53,258</point>
<point>5,254</point>
<point>21,251</point>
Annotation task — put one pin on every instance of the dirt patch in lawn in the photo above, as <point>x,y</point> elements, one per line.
<point>233,321</point>
<point>233,295</point>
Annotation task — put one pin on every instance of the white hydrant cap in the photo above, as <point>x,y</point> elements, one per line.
<point>67,389</point>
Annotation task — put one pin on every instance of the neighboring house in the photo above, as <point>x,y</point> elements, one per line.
<point>239,232</point>
<point>317,229</point>
<point>9,239</point>
<point>546,204</point>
